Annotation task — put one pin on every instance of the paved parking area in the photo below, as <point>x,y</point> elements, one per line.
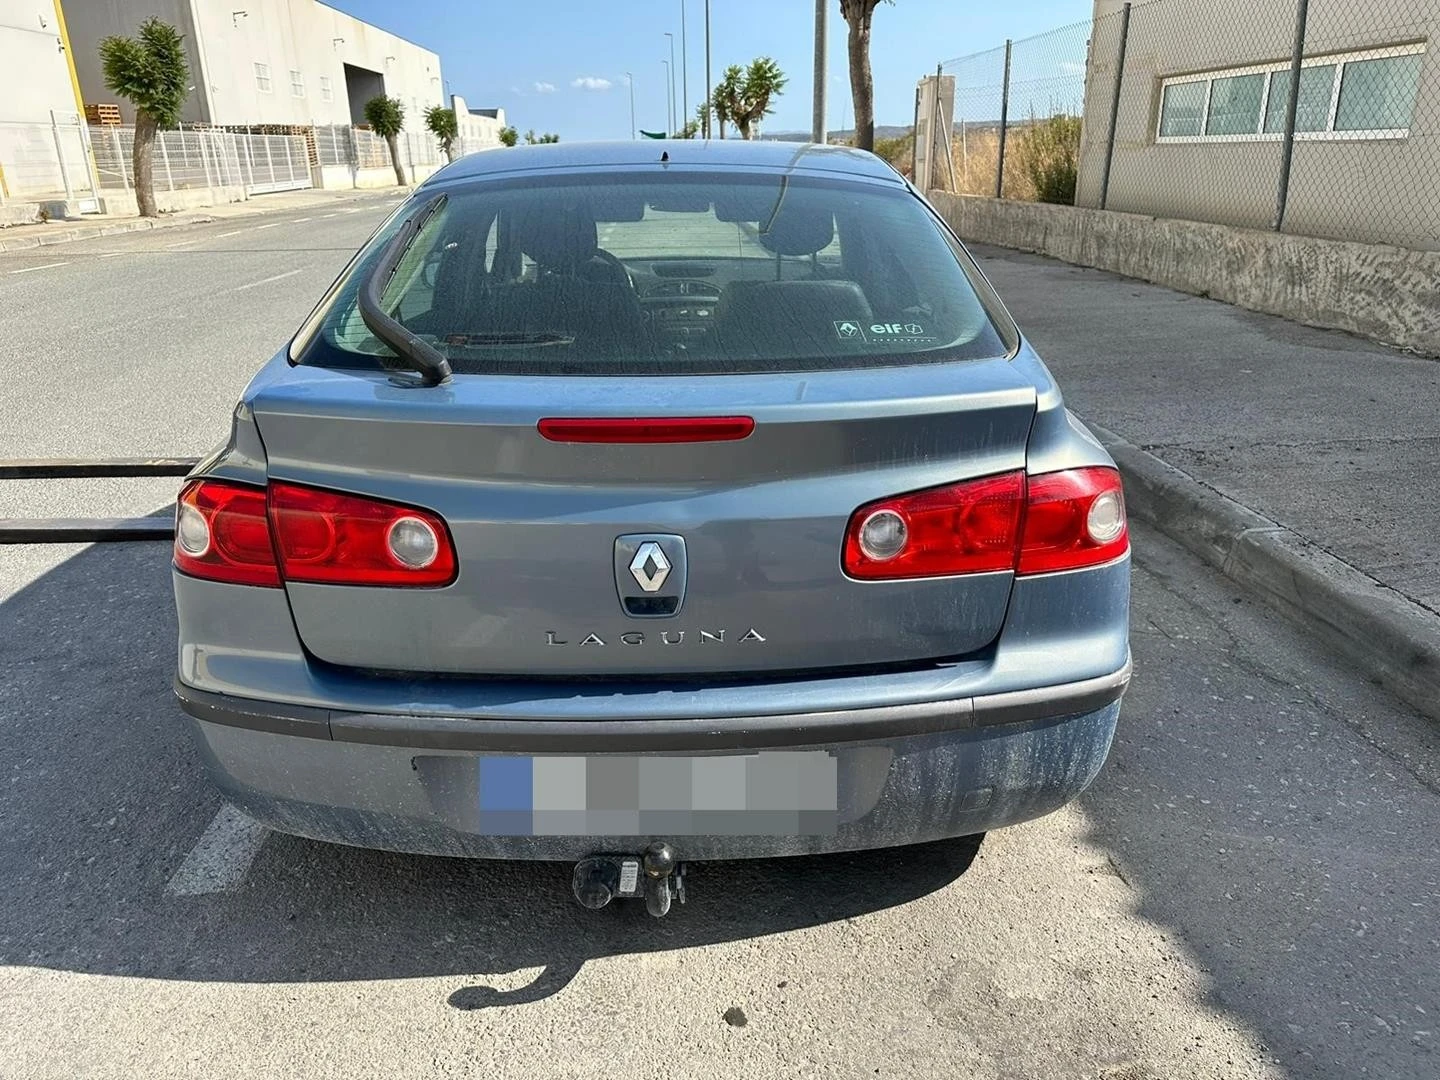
<point>1249,890</point>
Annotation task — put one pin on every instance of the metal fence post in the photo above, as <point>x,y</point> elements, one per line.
<point>165,157</point>
<point>60,157</point>
<point>934,154</point>
<point>1287,151</point>
<point>120,156</point>
<point>1004,120</point>
<point>1115,106</point>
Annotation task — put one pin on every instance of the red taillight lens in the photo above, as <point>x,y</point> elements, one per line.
<point>221,534</point>
<point>967,528</point>
<point>680,429</point>
<point>335,539</point>
<point>1028,524</point>
<point>257,536</point>
<point>1072,519</point>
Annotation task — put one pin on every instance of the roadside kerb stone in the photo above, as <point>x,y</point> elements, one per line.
<point>1390,637</point>
<point>40,236</point>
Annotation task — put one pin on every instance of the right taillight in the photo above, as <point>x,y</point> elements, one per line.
<point>1027,524</point>
<point>1073,519</point>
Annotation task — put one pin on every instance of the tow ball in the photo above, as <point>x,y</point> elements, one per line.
<point>654,875</point>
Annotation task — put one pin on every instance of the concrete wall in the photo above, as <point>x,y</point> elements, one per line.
<point>34,78</point>
<point>1373,190</point>
<point>286,35</point>
<point>1385,293</point>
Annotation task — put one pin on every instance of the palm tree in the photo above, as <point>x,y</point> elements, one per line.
<point>726,95</point>
<point>386,117</point>
<point>150,72</point>
<point>857,15</point>
<point>763,80</point>
<point>445,127</point>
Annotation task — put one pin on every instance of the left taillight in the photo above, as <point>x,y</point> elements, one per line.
<point>289,532</point>
<point>222,534</point>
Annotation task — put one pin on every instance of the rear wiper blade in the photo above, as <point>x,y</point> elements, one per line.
<point>427,360</point>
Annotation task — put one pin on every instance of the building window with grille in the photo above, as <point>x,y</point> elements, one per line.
<point>1361,95</point>
<point>327,89</point>
<point>262,78</point>
<point>297,84</point>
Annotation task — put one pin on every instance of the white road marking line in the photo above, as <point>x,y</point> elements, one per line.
<point>266,281</point>
<point>324,216</point>
<point>272,225</point>
<point>114,254</point>
<point>232,232</point>
<point>221,857</point>
<point>183,243</point>
<point>299,220</point>
<point>32,269</point>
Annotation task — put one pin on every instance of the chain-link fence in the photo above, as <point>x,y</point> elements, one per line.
<point>1316,117</point>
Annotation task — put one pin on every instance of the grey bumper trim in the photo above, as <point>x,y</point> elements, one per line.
<point>572,736</point>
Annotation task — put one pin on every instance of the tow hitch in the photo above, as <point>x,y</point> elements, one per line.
<point>654,875</point>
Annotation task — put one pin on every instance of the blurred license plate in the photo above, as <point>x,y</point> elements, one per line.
<point>780,793</point>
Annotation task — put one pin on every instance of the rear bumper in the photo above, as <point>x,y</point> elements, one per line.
<point>904,774</point>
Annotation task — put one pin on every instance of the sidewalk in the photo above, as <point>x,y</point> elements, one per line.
<point>21,237</point>
<point>1305,463</point>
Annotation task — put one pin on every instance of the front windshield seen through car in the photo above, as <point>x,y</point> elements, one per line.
<point>674,274</point>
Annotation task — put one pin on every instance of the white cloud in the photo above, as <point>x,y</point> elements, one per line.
<point>544,88</point>
<point>590,82</point>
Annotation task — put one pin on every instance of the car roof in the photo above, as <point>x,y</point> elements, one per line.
<point>743,155</point>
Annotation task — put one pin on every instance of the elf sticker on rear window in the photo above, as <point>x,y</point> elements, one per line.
<point>898,333</point>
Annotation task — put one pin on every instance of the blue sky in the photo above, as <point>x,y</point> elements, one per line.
<point>559,65</point>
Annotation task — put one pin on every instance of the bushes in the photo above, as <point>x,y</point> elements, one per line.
<point>1048,154</point>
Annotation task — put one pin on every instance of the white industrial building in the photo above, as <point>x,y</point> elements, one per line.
<point>477,128</point>
<point>271,63</point>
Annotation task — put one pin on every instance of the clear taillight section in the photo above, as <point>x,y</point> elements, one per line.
<point>289,532</point>
<point>1027,524</point>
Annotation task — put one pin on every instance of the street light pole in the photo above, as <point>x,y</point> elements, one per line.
<point>684,72</point>
<point>669,101</point>
<point>671,36</point>
<point>817,119</point>
<point>631,80</point>
<point>709,88</point>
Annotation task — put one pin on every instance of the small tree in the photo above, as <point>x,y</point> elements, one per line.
<point>509,136</point>
<point>445,127</point>
<point>1049,154</point>
<point>725,98</point>
<point>857,15</point>
<point>763,81</point>
<point>150,72</point>
<point>386,117</point>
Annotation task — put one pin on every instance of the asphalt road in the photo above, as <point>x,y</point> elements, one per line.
<point>1251,888</point>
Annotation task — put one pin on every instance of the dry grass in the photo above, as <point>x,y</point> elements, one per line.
<point>1035,154</point>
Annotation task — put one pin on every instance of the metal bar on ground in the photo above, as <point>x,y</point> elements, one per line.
<point>1115,105</point>
<point>84,530</point>
<point>86,468</point>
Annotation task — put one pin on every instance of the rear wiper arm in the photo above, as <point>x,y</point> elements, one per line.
<point>427,360</point>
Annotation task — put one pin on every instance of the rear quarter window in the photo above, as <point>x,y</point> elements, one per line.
<point>671,273</point>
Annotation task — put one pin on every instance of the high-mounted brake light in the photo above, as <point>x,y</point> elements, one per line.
<point>248,535</point>
<point>1028,524</point>
<point>647,430</point>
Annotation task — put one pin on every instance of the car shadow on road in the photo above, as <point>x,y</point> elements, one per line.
<point>105,797</point>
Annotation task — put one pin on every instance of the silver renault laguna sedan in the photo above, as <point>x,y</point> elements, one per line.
<point>631,504</point>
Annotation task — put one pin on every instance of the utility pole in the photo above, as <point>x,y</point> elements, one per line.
<point>684,72</point>
<point>708,87</point>
<point>671,36</point>
<point>631,80</point>
<point>817,120</point>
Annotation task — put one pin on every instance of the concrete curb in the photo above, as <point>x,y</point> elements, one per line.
<point>1390,637</point>
<point>44,238</point>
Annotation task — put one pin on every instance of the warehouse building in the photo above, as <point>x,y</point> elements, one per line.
<point>266,63</point>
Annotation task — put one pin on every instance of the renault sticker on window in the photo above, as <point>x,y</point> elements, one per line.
<point>849,330</point>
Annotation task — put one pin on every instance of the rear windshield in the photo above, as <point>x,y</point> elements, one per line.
<point>684,274</point>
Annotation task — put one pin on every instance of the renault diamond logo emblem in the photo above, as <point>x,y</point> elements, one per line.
<point>650,567</point>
